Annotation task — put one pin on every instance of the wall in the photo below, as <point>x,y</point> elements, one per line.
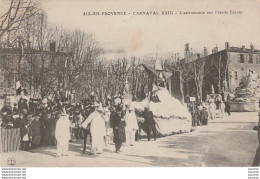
<point>238,69</point>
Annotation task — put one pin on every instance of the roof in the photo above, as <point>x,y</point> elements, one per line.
<point>231,49</point>
<point>152,71</point>
<point>239,49</point>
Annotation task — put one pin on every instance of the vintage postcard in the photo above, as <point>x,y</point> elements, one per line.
<point>94,83</point>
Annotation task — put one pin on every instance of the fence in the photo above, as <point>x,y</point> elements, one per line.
<point>9,140</point>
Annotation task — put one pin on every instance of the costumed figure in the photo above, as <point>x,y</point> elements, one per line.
<point>62,133</point>
<point>212,110</point>
<point>97,129</point>
<point>131,125</point>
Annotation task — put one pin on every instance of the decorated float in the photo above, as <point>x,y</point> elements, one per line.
<point>170,114</point>
<point>246,96</point>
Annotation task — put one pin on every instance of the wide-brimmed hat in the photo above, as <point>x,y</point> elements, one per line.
<point>95,104</point>
<point>100,107</point>
<point>117,101</point>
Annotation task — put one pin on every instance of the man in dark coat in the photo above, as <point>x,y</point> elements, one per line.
<point>204,116</point>
<point>15,109</point>
<point>7,109</point>
<point>35,131</point>
<point>118,124</point>
<point>22,105</point>
<point>22,123</point>
<point>227,109</point>
<point>149,124</point>
<point>257,154</point>
<point>86,132</point>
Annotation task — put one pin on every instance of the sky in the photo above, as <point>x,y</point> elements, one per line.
<point>151,34</point>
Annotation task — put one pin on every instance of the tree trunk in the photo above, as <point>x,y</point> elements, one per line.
<point>181,87</point>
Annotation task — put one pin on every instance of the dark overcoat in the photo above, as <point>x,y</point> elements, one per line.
<point>118,126</point>
<point>149,121</point>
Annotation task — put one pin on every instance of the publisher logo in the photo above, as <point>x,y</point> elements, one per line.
<point>11,161</point>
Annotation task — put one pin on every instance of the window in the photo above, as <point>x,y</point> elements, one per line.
<point>236,77</point>
<point>2,79</point>
<point>257,59</point>
<point>242,69</point>
<point>242,58</point>
<point>250,58</point>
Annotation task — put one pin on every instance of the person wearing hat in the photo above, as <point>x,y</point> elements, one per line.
<point>22,123</point>
<point>149,123</point>
<point>15,109</point>
<point>35,131</point>
<point>52,124</point>
<point>131,125</point>
<point>78,118</point>
<point>62,133</point>
<point>227,108</point>
<point>97,129</point>
<point>86,131</point>
<point>117,122</point>
<point>204,116</point>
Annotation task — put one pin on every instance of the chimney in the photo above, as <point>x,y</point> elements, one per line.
<point>252,47</point>
<point>243,48</point>
<point>226,45</point>
<point>205,51</point>
<point>52,46</point>
<point>186,50</point>
<point>216,49</point>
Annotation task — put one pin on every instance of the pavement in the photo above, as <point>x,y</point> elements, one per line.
<point>226,142</point>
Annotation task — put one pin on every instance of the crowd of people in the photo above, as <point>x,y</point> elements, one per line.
<point>58,122</point>
<point>210,109</point>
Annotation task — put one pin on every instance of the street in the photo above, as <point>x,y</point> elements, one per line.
<point>227,142</point>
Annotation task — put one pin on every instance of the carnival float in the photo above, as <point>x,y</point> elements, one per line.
<point>170,115</point>
<point>247,94</point>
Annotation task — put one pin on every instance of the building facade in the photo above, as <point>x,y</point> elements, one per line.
<point>222,70</point>
<point>29,66</point>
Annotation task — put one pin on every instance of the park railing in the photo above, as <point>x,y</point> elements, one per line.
<point>9,140</point>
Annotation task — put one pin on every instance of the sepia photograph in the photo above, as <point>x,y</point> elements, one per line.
<point>95,83</point>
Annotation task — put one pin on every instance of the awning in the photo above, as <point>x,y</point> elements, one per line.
<point>152,71</point>
<point>166,74</point>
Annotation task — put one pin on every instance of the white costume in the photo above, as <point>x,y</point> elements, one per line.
<point>131,127</point>
<point>62,134</point>
<point>222,108</point>
<point>97,130</point>
<point>212,110</point>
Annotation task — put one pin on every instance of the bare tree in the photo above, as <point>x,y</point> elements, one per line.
<point>17,13</point>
